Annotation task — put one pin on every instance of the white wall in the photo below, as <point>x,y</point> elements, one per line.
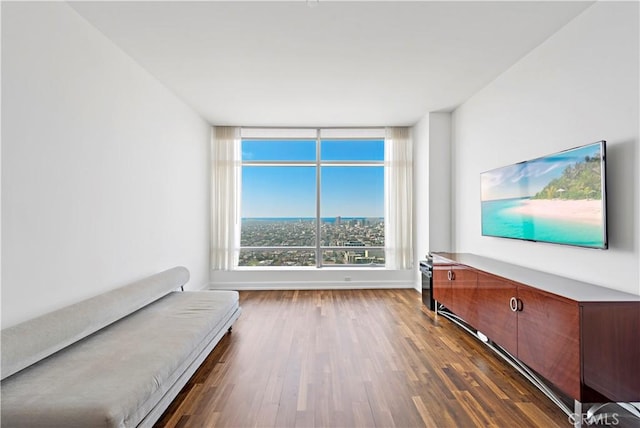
<point>432,184</point>
<point>578,87</point>
<point>440,181</point>
<point>104,171</point>
<point>421,193</point>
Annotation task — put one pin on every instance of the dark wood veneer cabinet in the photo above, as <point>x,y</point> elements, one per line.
<point>582,338</point>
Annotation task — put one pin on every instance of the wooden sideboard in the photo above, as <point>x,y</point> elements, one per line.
<point>582,339</point>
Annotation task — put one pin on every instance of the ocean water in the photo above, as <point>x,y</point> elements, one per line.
<point>499,219</point>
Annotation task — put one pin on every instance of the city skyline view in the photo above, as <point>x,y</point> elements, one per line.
<point>363,237</point>
<point>279,205</point>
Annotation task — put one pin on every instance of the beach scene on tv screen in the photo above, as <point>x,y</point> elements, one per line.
<point>556,198</point>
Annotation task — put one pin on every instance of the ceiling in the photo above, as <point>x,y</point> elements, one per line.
<point>339,63</point>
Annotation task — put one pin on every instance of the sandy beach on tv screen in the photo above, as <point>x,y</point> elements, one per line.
<point>583,210</point>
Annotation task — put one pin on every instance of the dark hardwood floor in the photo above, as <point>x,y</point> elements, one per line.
<point>354,358</point>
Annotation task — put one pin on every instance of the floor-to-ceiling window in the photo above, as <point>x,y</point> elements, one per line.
<point>312,197</point>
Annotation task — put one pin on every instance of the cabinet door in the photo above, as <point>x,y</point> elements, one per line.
<point>464,285</point>
<point>495,318</point>
<point>442,285</point>
<point>549,338</point>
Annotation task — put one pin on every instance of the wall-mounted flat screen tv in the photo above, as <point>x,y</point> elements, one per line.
<point>559,198</point>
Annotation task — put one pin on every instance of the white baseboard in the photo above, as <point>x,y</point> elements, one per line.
<point>310,285</point>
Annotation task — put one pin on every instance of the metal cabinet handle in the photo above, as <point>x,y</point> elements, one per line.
<point>515,304</point>
<point>449,275</point>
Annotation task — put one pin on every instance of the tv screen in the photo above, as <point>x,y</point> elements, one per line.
<point>559,198</point>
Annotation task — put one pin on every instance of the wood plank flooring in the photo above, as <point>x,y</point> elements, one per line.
<point>354,358</point>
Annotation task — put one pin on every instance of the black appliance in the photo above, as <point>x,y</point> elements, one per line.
<point>426,268</point>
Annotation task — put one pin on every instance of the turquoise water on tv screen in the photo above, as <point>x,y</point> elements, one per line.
<point>499,219</point>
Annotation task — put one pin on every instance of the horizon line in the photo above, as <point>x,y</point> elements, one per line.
<point>313,217</point>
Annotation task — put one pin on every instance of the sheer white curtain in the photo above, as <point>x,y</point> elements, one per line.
<point>398,192</point>
<point>226,176</point>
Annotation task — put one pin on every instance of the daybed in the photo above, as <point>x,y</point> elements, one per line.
<point>114,360</point>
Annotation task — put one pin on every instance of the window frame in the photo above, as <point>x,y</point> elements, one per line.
<point>333,134</point>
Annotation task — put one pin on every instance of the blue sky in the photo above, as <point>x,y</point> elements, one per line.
<point>277,191</point>
<point>528,178</point>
